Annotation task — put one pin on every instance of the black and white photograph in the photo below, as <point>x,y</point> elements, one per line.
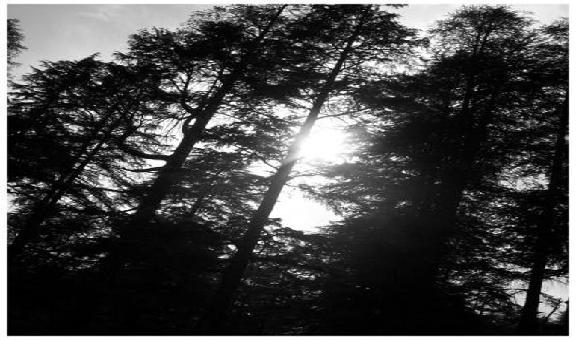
<point>287,169</point>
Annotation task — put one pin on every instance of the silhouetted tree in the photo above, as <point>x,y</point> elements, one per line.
<point>441,146</point>
<point>69,124</point>
<point>551,219</point>
<point>361,32</point>
<point>15,39</point>
<point>201,67</point>
<point>141,189</point>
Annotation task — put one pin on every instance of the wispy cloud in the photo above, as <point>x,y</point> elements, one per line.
<point>106,13</point>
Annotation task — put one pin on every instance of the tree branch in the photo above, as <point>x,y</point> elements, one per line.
<point>137,153</point>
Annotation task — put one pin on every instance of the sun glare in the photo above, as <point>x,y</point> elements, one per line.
<point>325,144</point>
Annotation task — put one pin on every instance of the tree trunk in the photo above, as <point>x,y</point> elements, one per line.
<point>217,311</point>
<point>169,174</point>
<point>529,319</point>
<point>111,269</point>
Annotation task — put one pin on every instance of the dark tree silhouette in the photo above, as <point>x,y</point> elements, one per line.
<point>550,224</point>
<point>15,39</point>
<point>363,21</point>
<point>231,49</point>
<point>141,189</point>
<point>443,149</point>
<point>66,124</point>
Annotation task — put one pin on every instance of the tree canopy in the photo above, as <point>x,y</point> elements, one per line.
<point>141,188</point>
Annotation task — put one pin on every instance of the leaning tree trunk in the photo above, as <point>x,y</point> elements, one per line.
<point>529,319</point>
<point>168,176</point>
<point>170,172</point>
<point>217,311</point>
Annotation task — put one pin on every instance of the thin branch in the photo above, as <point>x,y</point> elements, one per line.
<point>144,170</point>
<point>137,153</point>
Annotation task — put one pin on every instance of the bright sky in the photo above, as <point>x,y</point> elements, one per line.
<point>56,32</point>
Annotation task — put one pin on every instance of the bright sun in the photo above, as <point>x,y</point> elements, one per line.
<point>325,144</point>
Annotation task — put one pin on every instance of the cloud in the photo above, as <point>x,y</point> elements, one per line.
<point>106,13</point>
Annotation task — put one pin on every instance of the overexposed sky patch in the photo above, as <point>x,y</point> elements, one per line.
<point>301,213</point>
